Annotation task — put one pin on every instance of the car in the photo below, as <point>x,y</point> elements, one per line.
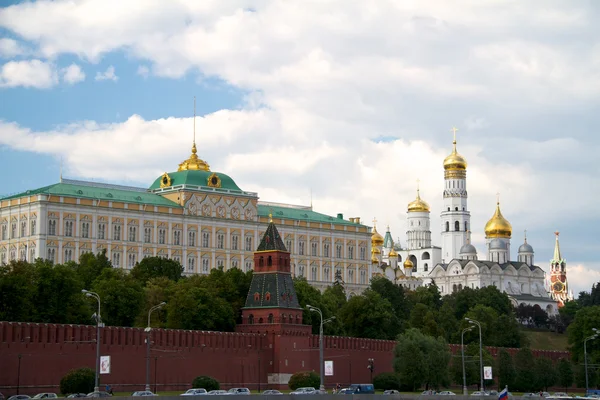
<point>99,394</point>
<point>218,393</point>
<point>391,392</point>
<point>446,393</point>
<point>272,392</point>
<point>362,388</point>
<point>238,391</point>
<point>19,397</point>
<point>526,396</point>
<point>194,392</point>
<point>45,396</point>
<point>1,396</point>
<point>560,395</point>
<point>344,391</point>
<point>479,393</point>
<point>143,393</point>
<point>428,393</point>
<point>76,395</point>
<point>304,390</point>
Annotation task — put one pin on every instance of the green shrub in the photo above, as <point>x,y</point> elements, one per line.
<point>387,381</point>
<point>78,381</point>
<point>304,379</point>
<point>206,382</point>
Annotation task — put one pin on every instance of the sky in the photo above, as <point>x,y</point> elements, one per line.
<point>344,102</point>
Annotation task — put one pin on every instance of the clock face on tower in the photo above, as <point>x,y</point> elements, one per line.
<point>557,286</point>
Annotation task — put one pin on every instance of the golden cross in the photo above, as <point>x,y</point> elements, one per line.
<point>374,222</point>
<point>271,215</point>
<point>418,184</point>
<point>497,197</point>
<point>454,129</point>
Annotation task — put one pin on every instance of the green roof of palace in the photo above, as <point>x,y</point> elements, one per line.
<point>99,191</point>
<point>196,178</point>
<point>300,214</point>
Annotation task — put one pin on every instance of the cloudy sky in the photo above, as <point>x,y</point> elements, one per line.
<point>350,100</point>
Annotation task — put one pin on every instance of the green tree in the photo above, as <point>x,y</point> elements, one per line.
<point>58,297</point>
<point>421,360</point>
<point>308,294</point>
<point>565,374</point>
<point>581,327</point>
<point>369,316</point>
<point>545,373</point>
<point>506,369</point>
<point>304,379</point>
<point>387,381</point>
<point>567,312</point>
<point>395,294</point>
<point>334,298</point>
<point>448,324</point>
<point>122,297</point>
<point>157,290</point>
<point>206,382</point>
<point>90,267</point>
<point>525,368</point>
<point>154,267</point>
<point>18,286</point>
<point>429,295</point>
<point>78,381</point>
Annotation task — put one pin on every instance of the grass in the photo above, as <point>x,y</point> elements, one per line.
<point>544,340</point>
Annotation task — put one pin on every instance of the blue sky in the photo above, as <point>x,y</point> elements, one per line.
<point>350,103</point>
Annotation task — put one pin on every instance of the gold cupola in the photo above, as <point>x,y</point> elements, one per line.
<point>376,238</point>
<point>455,162</point>
<point>194,163</point>
<point>498,226</point>
<point>392,253</point>
<point>408,264</point>
<point>418,205</point>
<point>374,259</point>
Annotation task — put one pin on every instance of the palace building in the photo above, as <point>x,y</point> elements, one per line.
<point>196,216</point>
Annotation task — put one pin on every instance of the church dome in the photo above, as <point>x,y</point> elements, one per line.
<point>455,161</point>
<point>375,250</point>
<point>408,264</point>
<point>376,238</point>
<point>498,226</point>
<point>418,205</point>
<point>525,248</point>
<point>497,244</point>
<point>468,248</point>
<point>374,259</point>
<point>392,253</point>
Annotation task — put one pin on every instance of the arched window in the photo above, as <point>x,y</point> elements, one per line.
<point>425,256</point>
<point>269,261</point>
<point>454,288</point>
<point>460,286</point>
<point>466,226</point>
<point>425,267</point>
<point>260,321</point>
<point>455,208</point>
<point>250,319</point>
<point>457,226</point>
<point>270,318</point>
<point>283,319</point>
<point>260,261</point>
<point>447,225</point>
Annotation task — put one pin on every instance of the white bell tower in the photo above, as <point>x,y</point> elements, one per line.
<point>456,219</point>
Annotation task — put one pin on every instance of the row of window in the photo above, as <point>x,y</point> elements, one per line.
<point>456,226</point>
<point>22,230</point>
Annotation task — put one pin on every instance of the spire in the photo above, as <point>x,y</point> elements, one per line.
<point>271,240</point>
<point>525,236</point>
<point>194,163</point>
<point>557,258</point>
<point>454,129</point>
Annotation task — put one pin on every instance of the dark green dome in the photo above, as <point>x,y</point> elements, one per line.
<point>195,178</point>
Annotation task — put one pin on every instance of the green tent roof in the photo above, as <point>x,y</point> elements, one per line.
<point>197,178</point>
<point>99,191</point>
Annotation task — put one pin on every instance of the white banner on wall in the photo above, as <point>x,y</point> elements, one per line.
<point>487,373</point>
<point>328,368</point>
<point>105,364</point>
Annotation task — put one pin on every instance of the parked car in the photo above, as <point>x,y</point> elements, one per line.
<point>527,396</point>
<point>478,393</point>
<point>218,392</point>
<point>344,391</point>
<point>238,391</point>
<point>19,397</point>
<point>560,395</point>
<point>99,394</point>
<point>45,396</point>
<point>272,392</point>
<point>143,393</point>
<point>305,390</point>
<point>76,395</point>
<point>428,393</point>
<point>391,392</point>
<point>446,393</point>
<point>194,392</point>
<point>362,388</point>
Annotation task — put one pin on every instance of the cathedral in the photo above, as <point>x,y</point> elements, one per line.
<point>456,265</point>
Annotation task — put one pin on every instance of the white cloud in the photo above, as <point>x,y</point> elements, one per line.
<point>109,75</point>
<point>10,48</point>
<point>32,73</point>
<point>73,74</point>
<point>143,70</point>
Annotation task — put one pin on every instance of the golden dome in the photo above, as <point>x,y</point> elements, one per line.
<point>455,161</point>
<point>194,163</point>
<point>376,238</point>
<point>408,264</point>
<point>375,250</point>
<point>418,205</point>
<point>374,259</point>
<point>498,226</point>
<point>393,253</point>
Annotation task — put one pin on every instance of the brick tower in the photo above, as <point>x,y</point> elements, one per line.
<point>272,305</point>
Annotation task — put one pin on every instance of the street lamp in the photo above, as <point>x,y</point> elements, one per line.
<point>98,324</point>
<point>472,321</point>
<point>594,336</point>
<point>322,368</point>
<point>462,349</point>
<point>148,329</point>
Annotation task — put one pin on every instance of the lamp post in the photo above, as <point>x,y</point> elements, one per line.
<point>321,362</point>
<point>594,336</point>
<point>98,324</point>
<point>462,349</point>
<point>371,367</point>
<point>148,329</point>
<point>472,321</point>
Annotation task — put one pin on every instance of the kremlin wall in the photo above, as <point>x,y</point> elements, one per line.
<point>36,356</point>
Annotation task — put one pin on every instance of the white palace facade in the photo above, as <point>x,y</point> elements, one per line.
<point>193,215</point>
